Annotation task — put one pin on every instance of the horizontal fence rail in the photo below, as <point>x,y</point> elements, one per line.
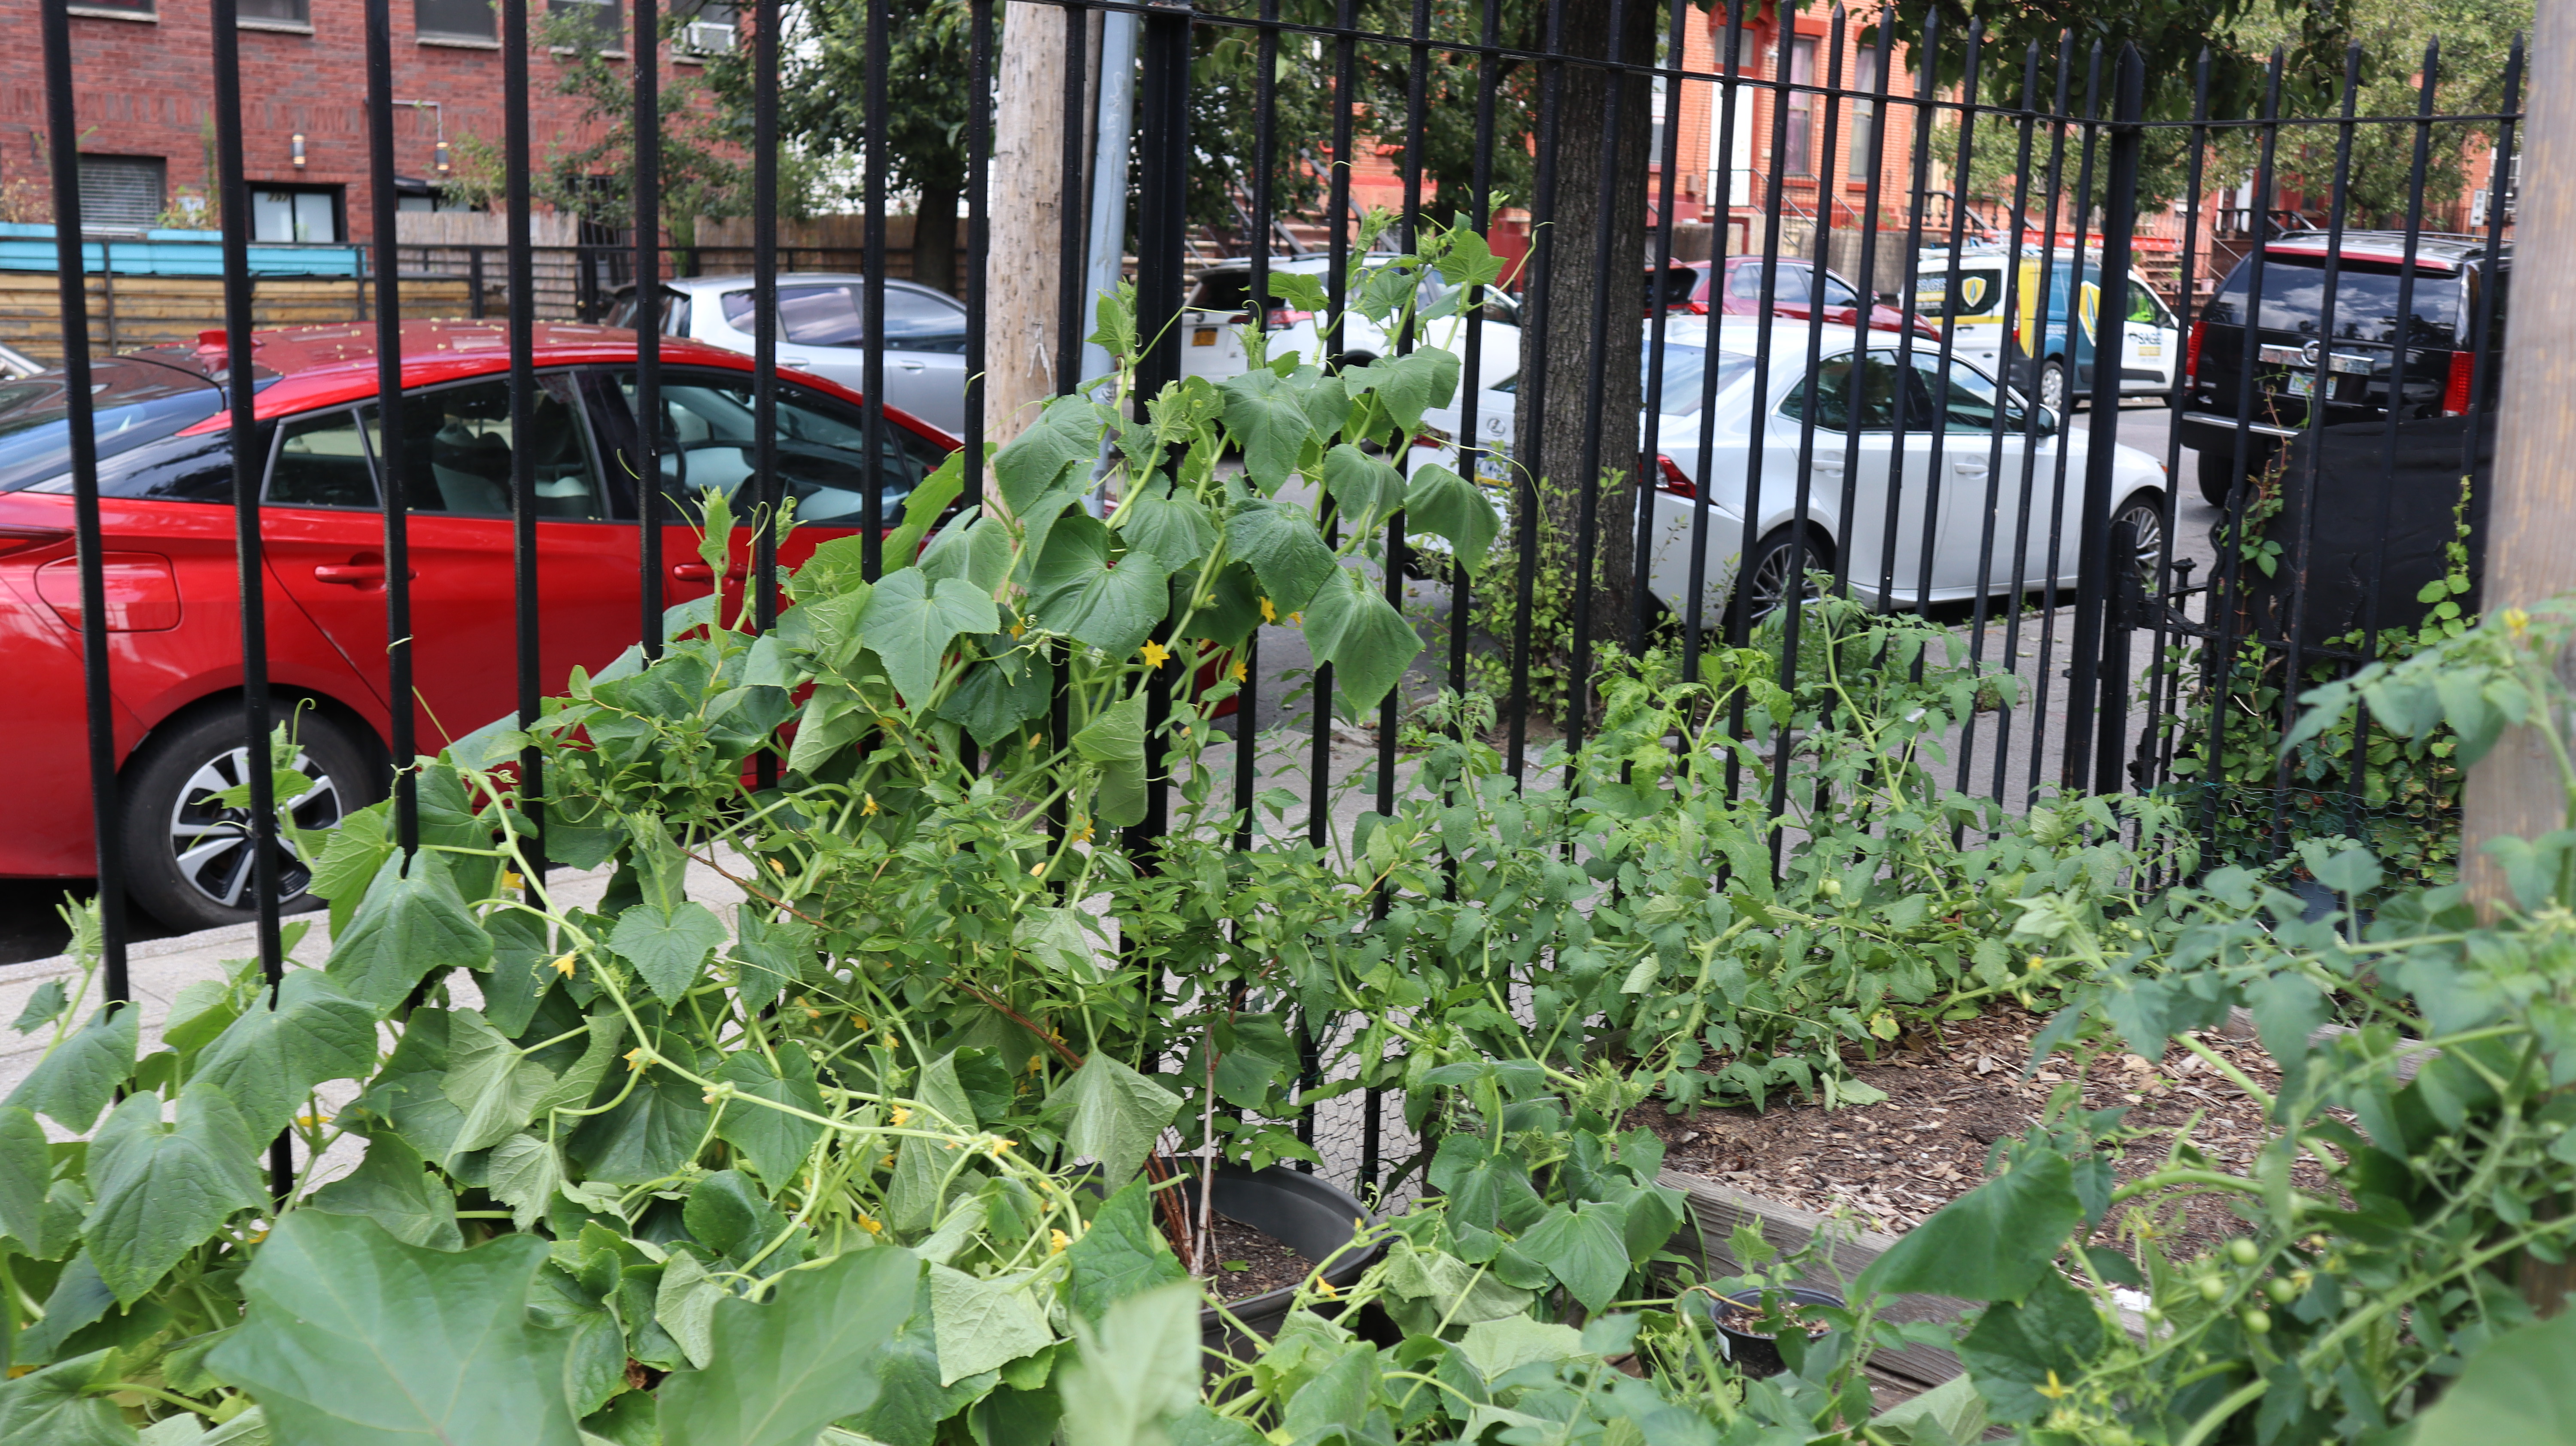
<point>2008,258</point>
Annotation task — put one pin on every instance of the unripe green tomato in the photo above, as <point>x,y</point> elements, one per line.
<point>2211,1288</point>
<point>2281,1290</point>
<point>2155,1315</point>
<point>2242,1251</point>
<point>2257,1323</point>
<point>1833,888</point>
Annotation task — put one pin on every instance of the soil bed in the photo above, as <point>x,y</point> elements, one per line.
<point>1247,1263</point>
<point>1950,1099</point>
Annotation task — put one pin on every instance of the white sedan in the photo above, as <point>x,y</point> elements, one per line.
<point>1949,455</point>
<point>1219,305</point>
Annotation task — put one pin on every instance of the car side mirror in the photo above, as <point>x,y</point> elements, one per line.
<point>1888,299</point>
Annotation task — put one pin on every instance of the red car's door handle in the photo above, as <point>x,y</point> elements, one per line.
<point>351,574</point>
<point>692,572</point>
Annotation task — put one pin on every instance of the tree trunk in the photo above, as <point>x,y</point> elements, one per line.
<point>1552,436</point>
<point>1027,229</point>
<point>934,238</point>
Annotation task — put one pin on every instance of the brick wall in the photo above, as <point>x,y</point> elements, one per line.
<point>145,88</point>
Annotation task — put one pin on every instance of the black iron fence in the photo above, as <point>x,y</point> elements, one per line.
<point>1917,446</point>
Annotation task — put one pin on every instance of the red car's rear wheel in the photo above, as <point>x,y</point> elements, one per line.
<point>189,854</point>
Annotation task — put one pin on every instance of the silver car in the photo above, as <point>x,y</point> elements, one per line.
<point>822,330</point>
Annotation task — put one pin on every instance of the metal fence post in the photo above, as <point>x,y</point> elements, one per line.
<point>1162,236</point>
<point>2094,726</point>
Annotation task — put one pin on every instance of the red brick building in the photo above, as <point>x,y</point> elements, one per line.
<point>144,86</point>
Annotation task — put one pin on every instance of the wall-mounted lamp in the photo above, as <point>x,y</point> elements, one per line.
<point>295,150</point>
<point>442,164</point>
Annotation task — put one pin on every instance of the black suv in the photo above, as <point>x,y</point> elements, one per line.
<point>2450,278</point>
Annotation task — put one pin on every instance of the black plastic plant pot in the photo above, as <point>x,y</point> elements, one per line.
<point>1756,1352</point>
<point>1300,1211</point>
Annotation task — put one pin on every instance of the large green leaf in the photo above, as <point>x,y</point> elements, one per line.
<point>973,549</point>
<point>524,1174</point>
<point>405,927</point>
<point>910,1402</point>
<point>1409,385</point>
<point>1175,528</point>
<point>981,1324</point>
<point>76,1079</point>
<point>1115,739</point>
<point>492,1083</point>
<point>1117,1115</point>
<point>351,855</point>
<point>2517,1390</point>
<point>79,1299</point>
<point>1077,590</point>
<point>1285,550</point>
<point>775,1142</point>
<point>1365,488</point>
<point>353,1338</point>
<point>1139,1365</point>
<point>1353,627</point>
<point>1993,1243</point>
<point>1064,436</point>
<point>1119,1254</point>
<point>1272,418</point>
<point>407,1092</point>
<point>1441,502</point>
<point>669,949</point>
<point>393,1187</point>
<point>992,700</point>
<point>26,1170</point>
<point>781,1371</point>
<point>922,506</point>
<point>580,1080</point>
<point>914,619</point>
<point>163,1189</point>
<point>270,1058</point>
<point>1584,1249</point>
<point>50,1407</point>
<point>653,1132</point>
<point>2018,1350</point>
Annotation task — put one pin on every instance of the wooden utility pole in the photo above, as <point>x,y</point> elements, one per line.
<point>2514,791</point>
<point>1026,206</point>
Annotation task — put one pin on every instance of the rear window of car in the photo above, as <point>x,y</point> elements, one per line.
<point>133,403</point>
<point>2294,297</point>
<point>834,314</point>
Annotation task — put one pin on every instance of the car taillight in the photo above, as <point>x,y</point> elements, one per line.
<point>1282,316</point>
<point>23,539</point>
<point>2455,393</point>
<point>2191,353</point>
<point>1673,480</point>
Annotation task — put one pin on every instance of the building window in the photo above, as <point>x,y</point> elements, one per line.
<point>131,7</point>
<point>1799,158</point>
<point>122,190</point>
<point>460,19</point>
<point>1864,114</point>
<point>591,24</point>
<point>288,12</point>
<point>300,213</point>
<point>706,28</point>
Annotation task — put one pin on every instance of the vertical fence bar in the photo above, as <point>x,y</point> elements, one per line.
<point>1265,150</point>
<point>979,238</point>
<point>2027,124</point>
<point>872,303</point>
<point>1927,72</point>
<point>1730,95</point>
<point>648,323</point>
<point>1072,269</point>
<point>1471,384</point>
<point>390,459</point>
<point>1161,242</point>
<point>1881,56</point>
<point>1337,254</point>
<point>2294,633</point>
<point>764,340</point>
<point>2054,192</point>
<point>240,391</point>
<point>98,700</point>
<point>2231,543</point>
<point>1934,483</point>
<point>1528,511</point>
<point>2163,675</point>
<point>527,608</point>
<point>2357,778</point>
<point>2094,628</point>
<point>1657,306</point>
<point>2066,422</point>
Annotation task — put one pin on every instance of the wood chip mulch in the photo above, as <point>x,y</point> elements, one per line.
<point>1247,1262</point>
<point>1950,1098</point>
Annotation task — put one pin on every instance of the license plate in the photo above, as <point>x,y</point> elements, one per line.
<point>1204,336</point>
<point>2156,348</point>
<point>2303,384</point>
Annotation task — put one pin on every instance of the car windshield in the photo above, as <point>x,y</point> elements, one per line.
<point>133,402</point>
<point>2294,297</point>
<point>1686,376</point>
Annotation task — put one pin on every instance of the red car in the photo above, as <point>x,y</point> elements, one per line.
<point>1792,295</point>
<point>165,484</point>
